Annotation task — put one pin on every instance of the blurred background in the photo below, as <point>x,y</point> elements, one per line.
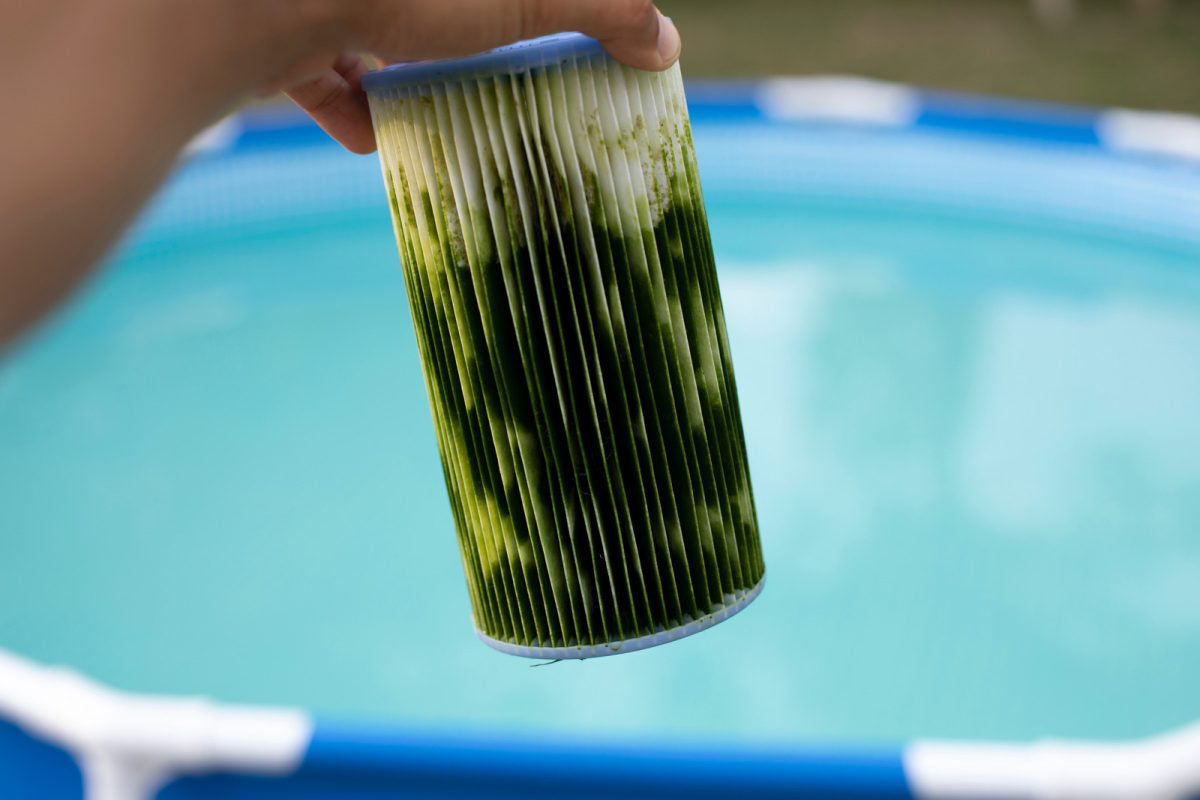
<point>1136,53</point>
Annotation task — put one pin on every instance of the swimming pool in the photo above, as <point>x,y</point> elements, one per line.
<point>967,347</point>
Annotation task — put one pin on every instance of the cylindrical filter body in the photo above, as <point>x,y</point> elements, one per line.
<point>561,280</point>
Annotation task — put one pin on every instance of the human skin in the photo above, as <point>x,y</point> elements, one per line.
<point>101,96</point>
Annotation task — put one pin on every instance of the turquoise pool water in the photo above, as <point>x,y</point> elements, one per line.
<point>970,375</point>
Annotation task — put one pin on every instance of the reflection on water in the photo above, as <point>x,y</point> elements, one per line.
<point>975,448</point>
<point>997,476</point>
<point>1084,406</point>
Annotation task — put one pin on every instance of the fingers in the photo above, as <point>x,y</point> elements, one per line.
<point>335,99</point>
<point>633,31</point>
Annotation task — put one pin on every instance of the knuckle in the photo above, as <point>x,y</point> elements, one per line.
<point>640,13</point>
<point>326,98</point>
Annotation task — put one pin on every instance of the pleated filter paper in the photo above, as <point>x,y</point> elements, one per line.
<point>561,281</point>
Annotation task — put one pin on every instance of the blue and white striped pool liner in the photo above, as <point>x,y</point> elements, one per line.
<point>862,101</point>
<point>838,99</point>
<point>1114,170</point>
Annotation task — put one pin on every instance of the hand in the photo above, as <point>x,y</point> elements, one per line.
<point>140,77</point>
<point>633,31</point>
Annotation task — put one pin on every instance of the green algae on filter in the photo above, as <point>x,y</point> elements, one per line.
<point>562,286</point>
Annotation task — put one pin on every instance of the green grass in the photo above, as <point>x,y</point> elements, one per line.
<point>1107,55</point>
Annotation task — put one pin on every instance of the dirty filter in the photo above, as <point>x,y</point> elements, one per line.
<point>561,280</point>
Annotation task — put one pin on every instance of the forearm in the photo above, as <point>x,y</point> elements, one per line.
<point>107,99</point>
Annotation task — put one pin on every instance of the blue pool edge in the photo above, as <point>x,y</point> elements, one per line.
<point>829,100</point>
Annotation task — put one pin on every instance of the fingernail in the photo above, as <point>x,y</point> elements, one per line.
<point>669,43</point>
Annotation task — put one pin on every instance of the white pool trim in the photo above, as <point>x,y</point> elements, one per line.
<point>1167,135</point>
<point>838,98</point>
<point>1164,767</point>
<point>128,745</point>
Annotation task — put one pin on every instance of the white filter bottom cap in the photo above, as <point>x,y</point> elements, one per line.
<point>740,601</point>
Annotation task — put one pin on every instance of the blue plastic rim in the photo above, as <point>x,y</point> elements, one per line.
<point>508,60</point>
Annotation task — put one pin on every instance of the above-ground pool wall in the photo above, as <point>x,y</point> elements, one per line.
<point>348,762</point>
<point>363,762</point>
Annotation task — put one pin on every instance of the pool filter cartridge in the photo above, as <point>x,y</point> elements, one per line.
<point>561,280</point>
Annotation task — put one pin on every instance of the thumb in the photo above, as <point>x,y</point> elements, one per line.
<point>633,31</point>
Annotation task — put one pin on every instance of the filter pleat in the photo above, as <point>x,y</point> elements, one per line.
<point>535,574</point>
<point>514,405</point>
<point>625,250</point>
<point>620,416</point>
<point>435,363</point>
<point>598,244</point>
<point>703,243</point>
<point>674,238</point>
<point>658,334</point>
<point>638,315</point>
<point>671,333</point>
<point>563,291</point>
<point>575,401</point>
<point>659,237</point>
<point>614,439</point>
<point>463,248</point>
<point>553,433</point>
<point>535,230</point>
<point>658,200</point>
<point>483,478</point>
<point>464,429</point>
<point>513,353</point>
